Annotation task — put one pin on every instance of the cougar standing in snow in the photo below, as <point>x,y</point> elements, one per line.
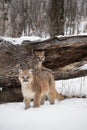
<point>36,86</point>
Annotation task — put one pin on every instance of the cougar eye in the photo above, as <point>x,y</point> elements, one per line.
<point>38,59</point>
<point>23,77</point>
<point>27,77</point>
<point>42,58</point>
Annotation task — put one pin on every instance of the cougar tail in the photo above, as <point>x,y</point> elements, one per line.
<point>60,96</point>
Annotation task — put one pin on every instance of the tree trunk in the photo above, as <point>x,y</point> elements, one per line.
<point>56,14</point>
<point>64,55</point>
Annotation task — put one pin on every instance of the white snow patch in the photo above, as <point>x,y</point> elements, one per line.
<point>69,114</point>
<point>73,87</point>
<point>73,35</point>
<point>21,39</point>
<point>84,67</point>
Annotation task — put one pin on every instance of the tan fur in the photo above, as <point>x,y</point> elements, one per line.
<point>37,86</point>
<point>39,58</point>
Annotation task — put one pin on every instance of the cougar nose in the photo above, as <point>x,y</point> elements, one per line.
<point>25,80</point>
<point>40,60</point>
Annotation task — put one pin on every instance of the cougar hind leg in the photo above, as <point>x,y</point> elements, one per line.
<point>51,97</point>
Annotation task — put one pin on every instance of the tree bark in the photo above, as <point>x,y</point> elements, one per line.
<point>56,14</point>
<point>64,55</point>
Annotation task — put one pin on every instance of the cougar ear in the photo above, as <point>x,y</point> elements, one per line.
<point>35,53</point>
<point>20,71</point>
<point>39,52</point>
<point>43,52</point>
<point>30,71</point>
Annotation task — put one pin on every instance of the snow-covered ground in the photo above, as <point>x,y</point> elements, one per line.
<point>69,114</point>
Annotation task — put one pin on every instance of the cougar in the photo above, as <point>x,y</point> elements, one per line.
<point>37,64</point>
<point>37,86</point>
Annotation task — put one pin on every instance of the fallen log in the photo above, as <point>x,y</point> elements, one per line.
<point>64,55</point>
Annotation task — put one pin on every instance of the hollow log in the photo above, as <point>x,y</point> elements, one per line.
<point>64,55</point>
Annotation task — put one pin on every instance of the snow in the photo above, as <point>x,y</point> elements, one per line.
<point>69,114</point>
<point>21,39</point>
<point>73,87</point>
<point>35,38</point>
<point>73,35</point>
<point>84,67</point>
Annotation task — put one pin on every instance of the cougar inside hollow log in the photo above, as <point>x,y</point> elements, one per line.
<point>39,58</point>
<point>37,86</point>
